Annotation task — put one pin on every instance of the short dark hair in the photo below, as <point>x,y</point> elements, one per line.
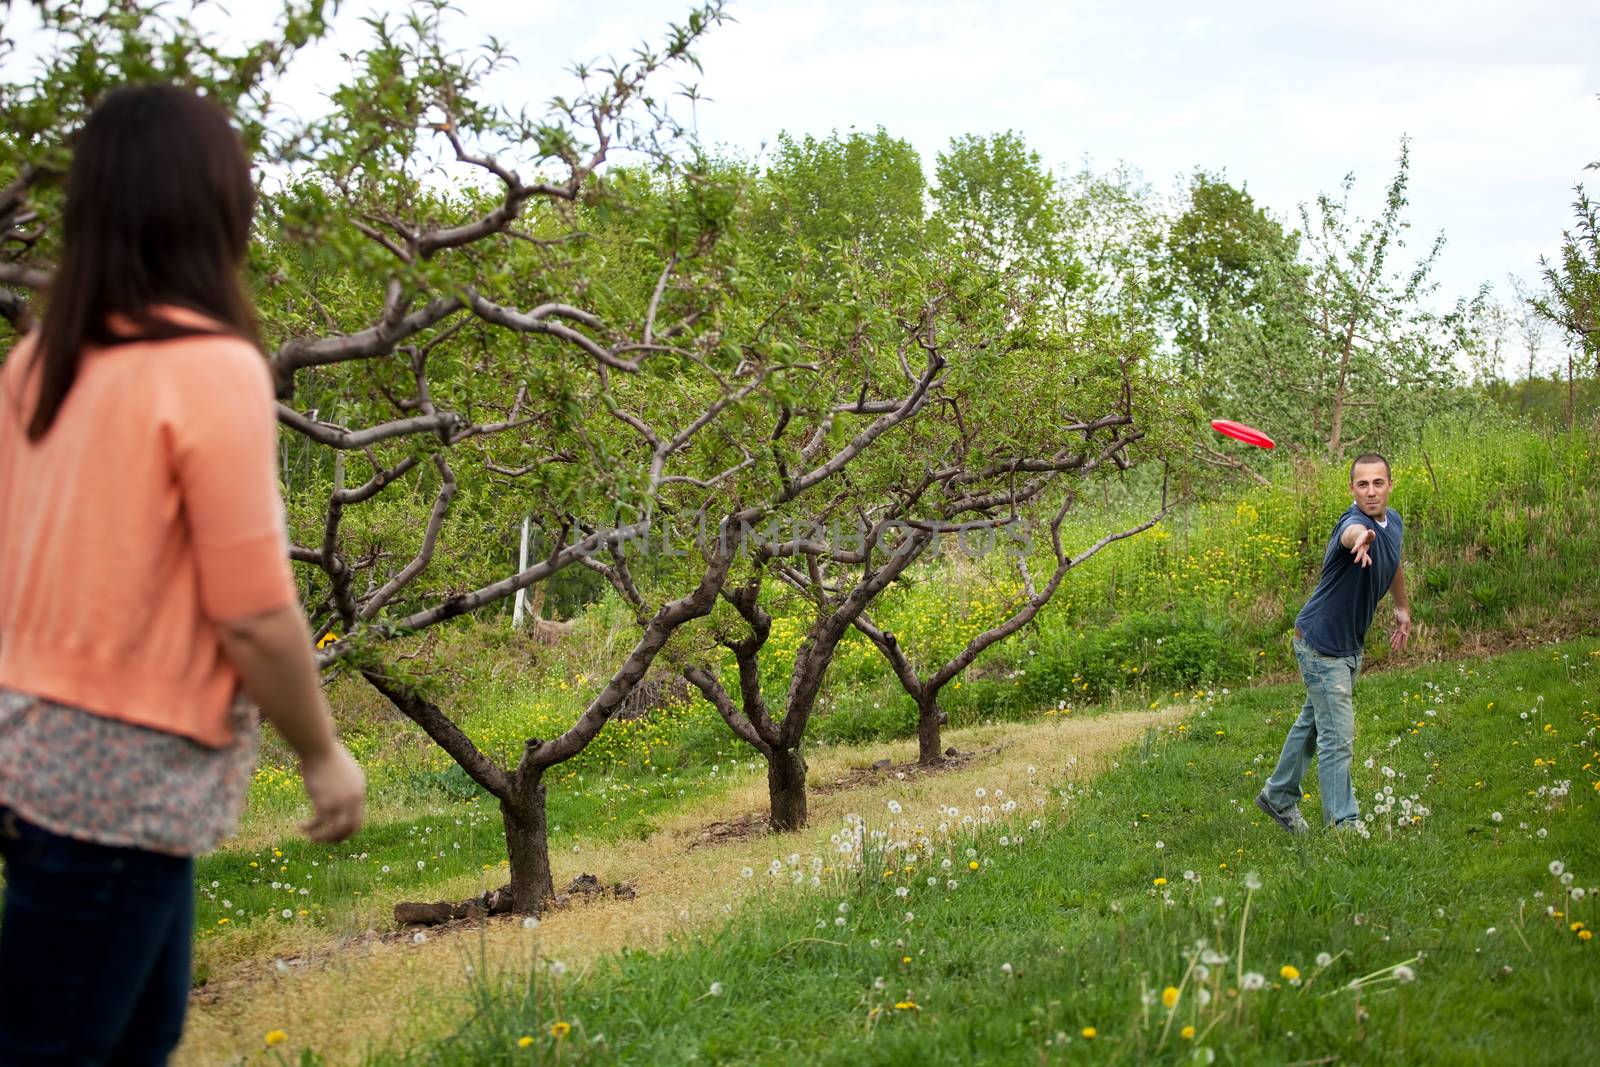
<point>159,200</point>
<point>1370,457</point>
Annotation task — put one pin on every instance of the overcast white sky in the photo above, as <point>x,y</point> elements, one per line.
<point>1500,99</point>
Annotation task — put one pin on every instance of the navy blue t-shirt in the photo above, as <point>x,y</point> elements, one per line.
<point>1335,619</point>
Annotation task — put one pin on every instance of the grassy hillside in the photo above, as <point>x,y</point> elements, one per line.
<point>1155,916</point>
<point>1502,533</point>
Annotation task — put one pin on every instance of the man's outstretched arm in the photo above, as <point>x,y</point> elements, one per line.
<point>1358,538</point>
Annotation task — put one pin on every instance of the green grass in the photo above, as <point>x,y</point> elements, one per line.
<point>401,859</point>
<point>1215,593</point>
<point>1066,895</point>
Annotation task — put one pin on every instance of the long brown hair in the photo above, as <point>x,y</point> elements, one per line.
<point>158,209</point>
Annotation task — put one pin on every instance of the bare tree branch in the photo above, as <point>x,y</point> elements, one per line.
<point>430,540</point>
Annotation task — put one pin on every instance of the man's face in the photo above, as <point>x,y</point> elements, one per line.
<point>1370,485</point>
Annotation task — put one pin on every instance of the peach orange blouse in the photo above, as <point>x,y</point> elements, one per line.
<point>147,515</point>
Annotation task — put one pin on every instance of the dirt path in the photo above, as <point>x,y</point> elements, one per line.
<point>342,997</point>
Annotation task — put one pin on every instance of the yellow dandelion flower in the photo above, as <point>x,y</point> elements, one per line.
<point>1089,1033</point>
<point>1187,1033</point>
<point>525,1040</point>
<point>973,865</point>
<point>559,1030</point>
<point>1158,881</point>
<point>1290,972</point>
<point>1169,996</point>
<point>275,1037</point>
<point>1585,935</point>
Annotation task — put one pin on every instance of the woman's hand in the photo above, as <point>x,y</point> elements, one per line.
<point>338,790</point>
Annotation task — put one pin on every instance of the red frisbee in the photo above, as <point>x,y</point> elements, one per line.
<point>1240,432</point>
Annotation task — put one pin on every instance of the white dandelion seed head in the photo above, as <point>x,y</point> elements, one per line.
<point>1253,980</point>
<point>1496,816</point>
<point>1252,881</point>
<point>1202,973</point>
<point>902,892</point>
<point>1005,968</point>
<point>418,938</point>
<point>1323,959</point>
<point>716,989</point>
<point>530,923</point>
<point>1557,867</point>
<point>1403,973</point>
<point>746,873</point>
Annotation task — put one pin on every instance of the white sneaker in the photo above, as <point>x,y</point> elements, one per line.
<point>1290,818</point>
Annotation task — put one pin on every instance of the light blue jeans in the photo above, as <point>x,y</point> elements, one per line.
<point>1325,729</point>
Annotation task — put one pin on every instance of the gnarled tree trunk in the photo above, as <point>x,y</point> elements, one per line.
<point>929,719</point>
<point>528,847</point>
<point>786,789</point>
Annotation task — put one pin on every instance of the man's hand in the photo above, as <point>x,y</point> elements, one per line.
<point>1360,549</point>
<point>1402,629</point>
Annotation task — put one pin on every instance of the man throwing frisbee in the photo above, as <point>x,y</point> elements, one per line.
<point>1361,564</point>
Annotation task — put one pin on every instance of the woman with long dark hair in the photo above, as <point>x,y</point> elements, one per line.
<point>144,583</point>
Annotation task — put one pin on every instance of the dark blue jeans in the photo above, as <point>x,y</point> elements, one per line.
<point>94,950</point>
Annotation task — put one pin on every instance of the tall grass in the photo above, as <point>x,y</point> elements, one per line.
<point>1156,916</point>
<point>1503,532</point>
